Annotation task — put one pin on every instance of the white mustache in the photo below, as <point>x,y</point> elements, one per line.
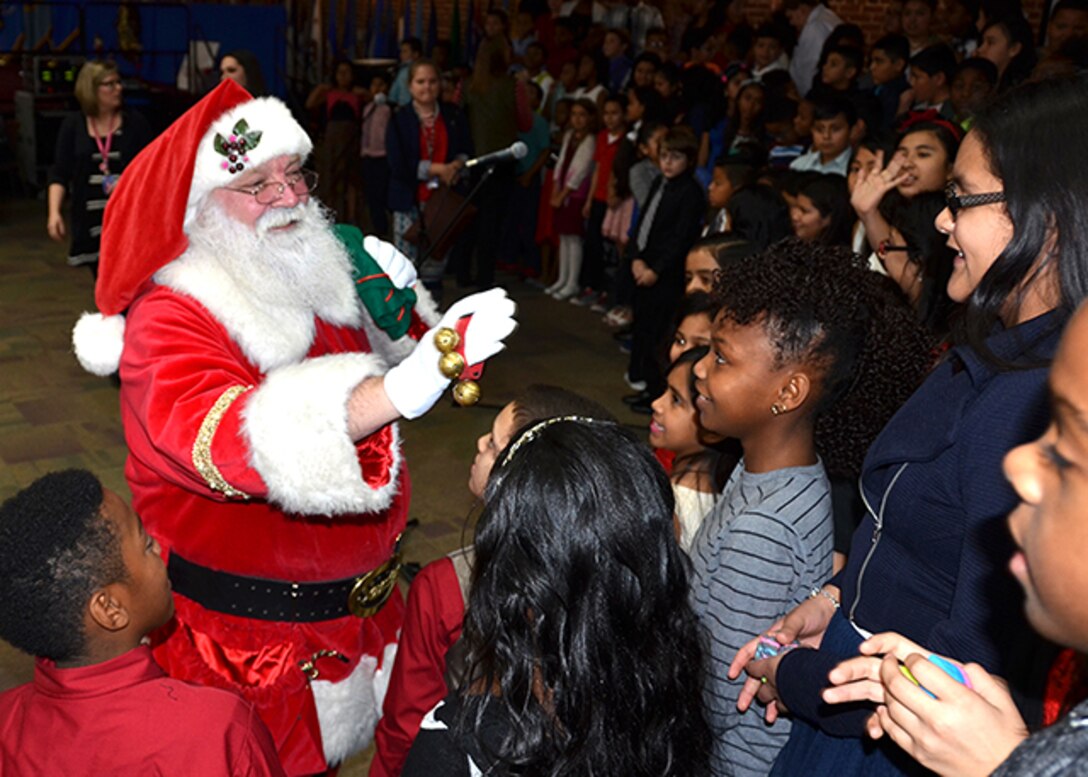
<point>280,217</point>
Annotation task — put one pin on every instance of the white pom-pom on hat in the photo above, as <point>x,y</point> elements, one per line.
<point>98,341</point>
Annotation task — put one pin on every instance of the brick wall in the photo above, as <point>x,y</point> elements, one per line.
<point>868,14</point>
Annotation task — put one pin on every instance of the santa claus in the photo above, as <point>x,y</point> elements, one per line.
<point>258,396</point>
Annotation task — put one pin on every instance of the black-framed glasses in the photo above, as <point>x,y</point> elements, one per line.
<point>301,182</point>
<point>958,202</point>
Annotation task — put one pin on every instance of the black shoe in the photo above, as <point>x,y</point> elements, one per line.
<point>642,408</point>
<point>637,397</point>
<point>622,334</point>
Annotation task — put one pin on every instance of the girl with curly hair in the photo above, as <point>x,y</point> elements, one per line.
<point>810,354</point>
<point>583,653</point>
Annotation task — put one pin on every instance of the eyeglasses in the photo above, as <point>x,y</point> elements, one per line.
<point>958,202</point>
<point>300,181</point>
<point>113,83</point>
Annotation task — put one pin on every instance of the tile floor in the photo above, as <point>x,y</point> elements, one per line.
<point>54,415</point>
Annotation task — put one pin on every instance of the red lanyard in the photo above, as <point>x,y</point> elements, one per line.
<point>103,148</point>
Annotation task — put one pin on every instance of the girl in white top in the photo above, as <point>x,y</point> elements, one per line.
<point>699,462</point>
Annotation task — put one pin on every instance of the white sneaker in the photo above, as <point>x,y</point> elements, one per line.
<point>565,293</point>
<point>634,385</point>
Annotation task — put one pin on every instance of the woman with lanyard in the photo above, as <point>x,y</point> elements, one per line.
<point>93,147</point>
<point>427,143</point>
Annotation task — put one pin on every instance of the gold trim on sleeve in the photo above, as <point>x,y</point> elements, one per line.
<point>202,446</point>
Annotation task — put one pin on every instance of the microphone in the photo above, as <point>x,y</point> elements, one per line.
<point>517,150</point>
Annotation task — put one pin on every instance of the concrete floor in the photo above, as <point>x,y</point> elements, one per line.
<point>53,415</point>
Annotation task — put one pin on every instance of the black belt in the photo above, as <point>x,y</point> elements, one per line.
<point>277,600</point>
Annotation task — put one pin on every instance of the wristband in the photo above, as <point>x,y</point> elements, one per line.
<point>818,592</point>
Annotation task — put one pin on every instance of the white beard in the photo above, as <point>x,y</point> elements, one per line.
<point>267,287</point>
<point>304,267</point>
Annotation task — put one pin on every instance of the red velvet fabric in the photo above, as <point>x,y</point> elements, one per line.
<point>178,360</point>
<point>142,225</point>
<point>125,716</point>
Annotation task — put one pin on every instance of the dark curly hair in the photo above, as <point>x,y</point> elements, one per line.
<point>55,551</point>
<point>579,628</point>
<point>820,305</point>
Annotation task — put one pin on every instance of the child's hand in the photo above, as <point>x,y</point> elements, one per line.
<point>873,183</point>
<point>963,731</point>
<point>559,198</point>
<point>647,279</point>
<point>858,679</point>
<point>447,172</point>
<point>637,268</point>
<point>761,684</point>
<point>587,208</point>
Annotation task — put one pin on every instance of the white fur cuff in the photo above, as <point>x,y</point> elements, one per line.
<point>296,423</point>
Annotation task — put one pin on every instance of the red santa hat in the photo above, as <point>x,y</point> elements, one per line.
<point>157,198</point>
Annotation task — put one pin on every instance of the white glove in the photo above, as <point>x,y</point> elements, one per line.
<point>414,385</point>
<point>396,265</point>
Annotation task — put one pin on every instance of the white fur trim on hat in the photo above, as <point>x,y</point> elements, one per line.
<point>98,342</point>
<point>268,130</point>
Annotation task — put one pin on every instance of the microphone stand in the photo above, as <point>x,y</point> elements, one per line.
<point>426,245</point>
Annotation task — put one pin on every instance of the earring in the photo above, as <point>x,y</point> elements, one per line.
<point>777,409</point>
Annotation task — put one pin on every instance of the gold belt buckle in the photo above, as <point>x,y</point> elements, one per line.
<point>372,590</point>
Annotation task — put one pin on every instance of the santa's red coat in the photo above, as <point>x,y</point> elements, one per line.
<point>247,468</point>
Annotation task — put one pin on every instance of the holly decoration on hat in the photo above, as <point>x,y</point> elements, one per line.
<point>235,147</point>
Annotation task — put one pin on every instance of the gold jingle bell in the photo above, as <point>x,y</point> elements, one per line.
<point>466,393</point>
<point>451,365</point>
<point>446,340</point>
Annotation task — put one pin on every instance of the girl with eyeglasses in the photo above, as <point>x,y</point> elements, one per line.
<point>917,258</point>
<point>93,147</point>
<point>929,560</point>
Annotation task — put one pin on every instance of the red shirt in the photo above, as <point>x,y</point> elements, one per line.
<point>432,623</point>
<point>125,716</point>
<point>603,156</point>
<point>434,145</point>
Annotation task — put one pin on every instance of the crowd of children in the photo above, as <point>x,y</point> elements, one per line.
<point>845,272</point>
<point>766,119</point>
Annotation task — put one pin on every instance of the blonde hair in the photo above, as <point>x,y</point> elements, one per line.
<point>92,74</point>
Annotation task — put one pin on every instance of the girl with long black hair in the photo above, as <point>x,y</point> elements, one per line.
<point>583,652</point>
